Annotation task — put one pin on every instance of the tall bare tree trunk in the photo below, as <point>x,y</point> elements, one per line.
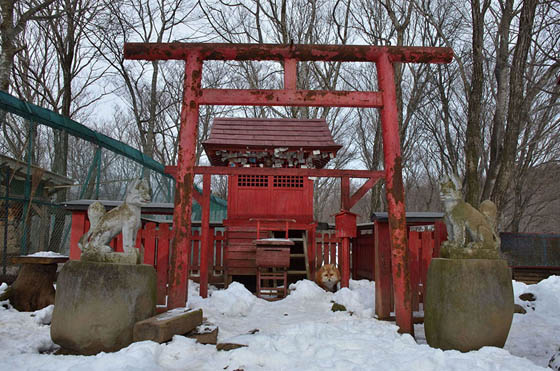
<point>517,109</point>
<point>473,141</point>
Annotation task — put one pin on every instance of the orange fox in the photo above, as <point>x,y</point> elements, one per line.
<point>327,277</point>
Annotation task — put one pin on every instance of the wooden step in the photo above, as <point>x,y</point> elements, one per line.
<point>297,272</point>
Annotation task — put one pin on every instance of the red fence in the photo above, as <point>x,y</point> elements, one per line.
<point>156,239</point>
<point>326,245</point>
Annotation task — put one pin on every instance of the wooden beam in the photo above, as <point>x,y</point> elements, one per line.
<point>345,193</point>
<point>318,173</point>
<point>357,196</point>
<point>310,98</point>
<point>274,52</point>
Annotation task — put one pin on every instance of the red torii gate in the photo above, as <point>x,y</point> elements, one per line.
<point>194,54</point>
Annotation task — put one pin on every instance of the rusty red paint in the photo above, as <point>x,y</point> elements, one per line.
<point>272,52</point>
<point>184,179</point>
<point>205,240</point>
<point>395,195</point>
<point>318,173</point>
<point>317,98</point>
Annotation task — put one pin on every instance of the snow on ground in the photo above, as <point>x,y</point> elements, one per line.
<point>297,333</point>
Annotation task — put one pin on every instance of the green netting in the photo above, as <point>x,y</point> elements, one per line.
<point>32,220</point>
<point>52,119</point>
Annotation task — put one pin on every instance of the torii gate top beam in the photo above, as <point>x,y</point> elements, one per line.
<point>273,52</point>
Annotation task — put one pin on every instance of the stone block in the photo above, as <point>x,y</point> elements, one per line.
<point>162,327</point>
<point>469,303</point>
<point>97,305</point>
<point>206,333</point>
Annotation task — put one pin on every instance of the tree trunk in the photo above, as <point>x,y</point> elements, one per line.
<point>517,110</point>
<point>473,141</point>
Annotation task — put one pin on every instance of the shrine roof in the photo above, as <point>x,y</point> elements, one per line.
<point>230,134</point>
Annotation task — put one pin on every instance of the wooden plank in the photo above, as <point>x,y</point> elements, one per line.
<point>300,52</point>
<point>318,173</point>
<point>150,243</point>
<point>162,262</point>
<point>383,280</point>
<point>234,263</point>
<point>309,98</point>
<point>243,271</point>
<point>414,268</point>
<point>38,260</point>
<point>79,227</point>
<point>233,255</point>
<point>426,256</point>
<point>195,246</point>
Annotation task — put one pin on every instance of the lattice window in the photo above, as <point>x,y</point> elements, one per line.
<point>252,181</point>
<point>288,181</point>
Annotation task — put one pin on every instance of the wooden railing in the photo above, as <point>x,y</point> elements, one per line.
<point>326,248</point>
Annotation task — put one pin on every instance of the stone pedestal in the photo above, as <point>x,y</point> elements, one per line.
<point>97,305</point>
<point>469,303</point>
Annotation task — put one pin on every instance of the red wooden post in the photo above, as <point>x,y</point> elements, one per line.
<point>440,235</point>
<point>218,266</point>
<point>345,262</point>
<point>383,284</point>
<point>395,195</point>
<point>188,133</point>
<point>311,255</point>
<point>119,243</point>
<point>345,193</point>
<point>79,227</point>
<point>427,251</point>
<point>290,74</point>
<point>162,262</point>
<point>414,266</point>
<point>195,252</point>
<point>205,238</point>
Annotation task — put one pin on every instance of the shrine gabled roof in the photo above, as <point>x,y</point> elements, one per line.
<point>229,134</point>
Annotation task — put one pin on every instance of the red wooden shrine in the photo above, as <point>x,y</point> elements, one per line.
<point>289,55</point>
<point>267,203</point>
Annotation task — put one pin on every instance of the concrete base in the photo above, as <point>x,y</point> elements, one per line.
<point>97,305</point>
<point>469,303</point>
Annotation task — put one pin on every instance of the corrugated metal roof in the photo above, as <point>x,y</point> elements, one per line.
<point>258,133</point>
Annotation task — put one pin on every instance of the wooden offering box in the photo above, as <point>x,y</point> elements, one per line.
<point>273,253</point>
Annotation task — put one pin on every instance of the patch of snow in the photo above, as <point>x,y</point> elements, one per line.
<point>47,254</point>
<point>299,332</point>
<point>44,316</point>
<point>536,334</point>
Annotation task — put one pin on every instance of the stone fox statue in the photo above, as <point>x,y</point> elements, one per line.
<point>104,226</point>
<point>462,220</point>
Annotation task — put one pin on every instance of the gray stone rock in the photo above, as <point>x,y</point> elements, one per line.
<point>97,305</point>
<point>206,333</point>
<point>554,362</point>
<point>162,327</point>
<point>469,303</point>
<point>229,346</point>
<point>338,307</point>
<point>527,297</point>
